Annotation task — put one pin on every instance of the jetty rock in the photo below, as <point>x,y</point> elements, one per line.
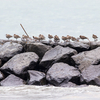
<point>91,75</point>
<point>20,63</point>
<point>61,73</point>
<point>2,76</point>
<point>36,78</point>
<point>39,48</point>
<point>87,58</point>
<point>57,54</point>
<point>8,50</point>
<point>79,46</point>
<point>12,80</point>
<point>0,62</point>
<point>69,84</point>
<point>94,44</point>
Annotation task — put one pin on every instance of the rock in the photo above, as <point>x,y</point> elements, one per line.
<point>91,75</point>
<point>12,80</point>
<point>69,84</point>
<point>61,74</point>
<point>21,62</point>
<point>79,46</point>
<point>38,48</point>
<point>36,78</point>
<point>87,58</point>
<point>8,50</point>
<point>57,54</point>
<point>46,42</point>
<point>94,45</point>
<point>0,62</point>
<point>2,76</point>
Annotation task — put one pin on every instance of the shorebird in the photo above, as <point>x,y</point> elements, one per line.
<point>94,37</point>
<point>64,38</point>
<point>8,36</point>
<point>74,39</point>
<point>84,37</point>
<point>56,38</point>
<point>24,38</point>
<point>68,37</point>
<point>36,38</point>
<point>50,36</point>
<point>16,36</point>
<point>41,37</point>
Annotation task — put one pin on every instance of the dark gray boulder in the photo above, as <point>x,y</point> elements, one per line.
<point>61,73</point>
<point>21,62</point>
<point>0,62</point>
<point>38,48</point>
<point>87,58</point>
<point>56,54</point>
<point>2,76</point>
<point>91,75</point>
<point>12,80</point>
<point>9,49</point>
<point>94,45</point>
<point>79,46</point>
<point>36,78</point>
<point>69,84</point>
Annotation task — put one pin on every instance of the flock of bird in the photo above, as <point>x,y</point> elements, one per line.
<point>56,38</point>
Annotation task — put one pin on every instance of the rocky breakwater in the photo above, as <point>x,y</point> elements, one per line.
<point>64,64</point>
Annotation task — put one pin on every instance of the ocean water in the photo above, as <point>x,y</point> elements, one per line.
<point>49,93</point>
<point>61,17</point>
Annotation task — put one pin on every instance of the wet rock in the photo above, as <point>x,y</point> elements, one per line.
<point>87,58</point>
<point>61,74</point>
<point>91,75</point>
<point>79,46</point>
<point>8,50</point>
<point>36,78</point>
<point>46,42</point>
<point>56,54</point>
<point>12,80</point>
<point>94,45</point>
<point>38,48</point>
<point>21,62</point>
<point>0,62</point>
<point>2,76</point>
<point>69,84</point>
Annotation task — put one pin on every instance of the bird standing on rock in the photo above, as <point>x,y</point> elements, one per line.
<point>64,38</point>
<point>74,39</point>
<point>24,38</point>
<point>84,37</point>
<point>68,37</point>
<point>50,37</point>
<point>41,37</point>
<point>56,38</point>
<point>8,36</point>
<point>94,37</point>
<point>16,36</point>
<point>36,38</point>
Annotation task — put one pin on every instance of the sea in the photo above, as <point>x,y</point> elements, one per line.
<point>55,17</point>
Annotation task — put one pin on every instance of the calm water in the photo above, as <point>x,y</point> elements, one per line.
<point>62,17</point>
